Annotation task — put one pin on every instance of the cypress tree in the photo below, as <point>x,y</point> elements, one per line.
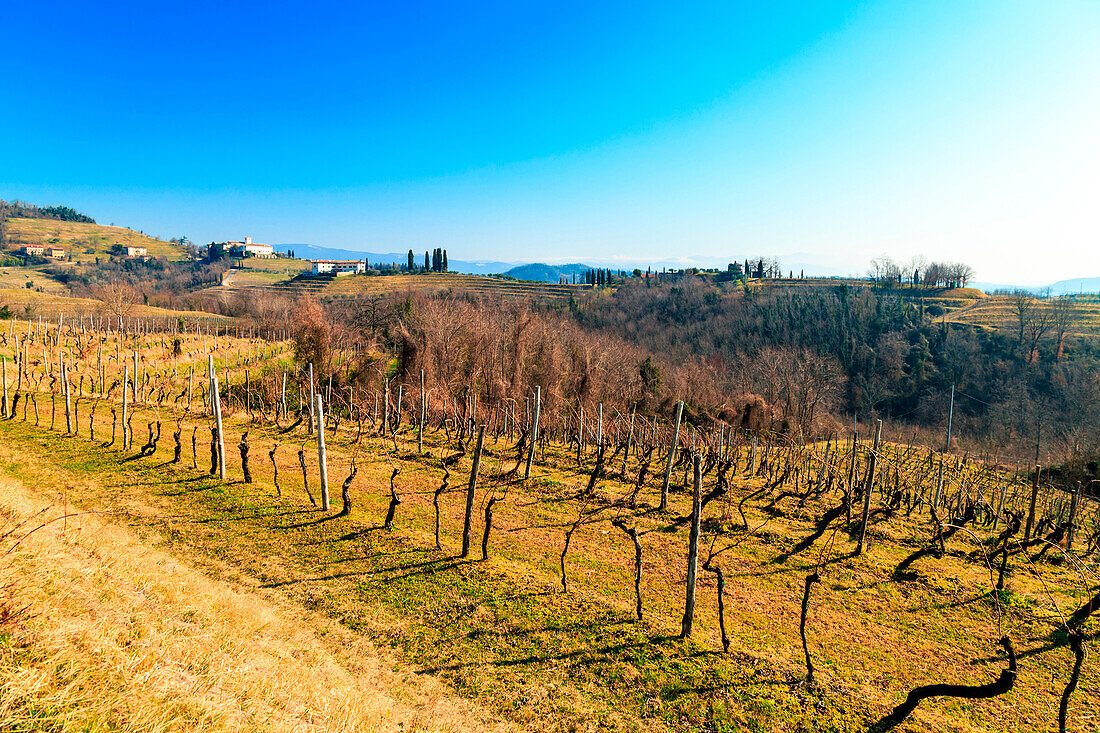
<point>444,260</point>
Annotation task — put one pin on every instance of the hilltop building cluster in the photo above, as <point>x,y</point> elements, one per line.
<point>247,248</point>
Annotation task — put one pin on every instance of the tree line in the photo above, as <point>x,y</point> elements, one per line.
<point>24,210</point>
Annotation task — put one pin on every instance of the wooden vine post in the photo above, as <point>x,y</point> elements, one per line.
<point>1075,501</point>
<point>311,401</point>
<point>125,407</point>
<point>867,489</point>
<point>68,396</point>
<point>693,550</point>
<point>322,455</point>
<point>1031,505</point>
<point>221,434</point>
<point>467,527</point>
<point>423,416</point>
<point>629,437</point>
<point>671,455</point>
<point>939,487</point>
<point>534,433</point>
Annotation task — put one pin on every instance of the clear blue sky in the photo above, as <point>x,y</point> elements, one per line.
<point>572,130</point>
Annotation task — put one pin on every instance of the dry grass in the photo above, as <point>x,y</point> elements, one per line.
<point>85,241</point>
<point>28,304</point>
<point>280,265</point>
<point>114,635</point>
<point>16,278</point>
<point>998,312</point>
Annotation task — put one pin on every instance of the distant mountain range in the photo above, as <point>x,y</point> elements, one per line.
<point>1075,286</point>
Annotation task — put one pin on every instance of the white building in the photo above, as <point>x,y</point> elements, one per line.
<point>33,250</point>
<point>136,252</point>
<point>248,248</point>
<point>338,267</point>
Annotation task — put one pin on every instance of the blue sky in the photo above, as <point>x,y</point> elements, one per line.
<point>573,131</point>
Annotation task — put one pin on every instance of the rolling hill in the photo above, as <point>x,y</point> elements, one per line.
<point>543,273</point>
<point>84,242</point>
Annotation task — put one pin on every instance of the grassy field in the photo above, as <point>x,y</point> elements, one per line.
<point>85,242</point>
<point>256,272</point>
<point>502,632</point>
<point>16,278</point>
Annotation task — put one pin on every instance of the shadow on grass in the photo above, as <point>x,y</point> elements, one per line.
<point>314,523</point>
<point>154,482</point>
<point>414,569</point>
<point>609,651</point>
<point>820,528</point>
<point>1057,639</point>
<point>182,492</point>
<point>254,515</point>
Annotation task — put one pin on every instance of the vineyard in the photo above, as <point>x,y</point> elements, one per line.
<point>998,312</point>
<point>567,567</point>
<point>352,286</point>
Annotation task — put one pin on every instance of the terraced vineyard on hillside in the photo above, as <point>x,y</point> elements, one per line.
<point>999,312</point>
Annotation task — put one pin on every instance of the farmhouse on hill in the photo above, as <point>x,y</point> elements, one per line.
<point>338,267</point>
<point>248,248</point>
<point>136,251</point>
<point>56,253</point>
<point>34,250</point>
